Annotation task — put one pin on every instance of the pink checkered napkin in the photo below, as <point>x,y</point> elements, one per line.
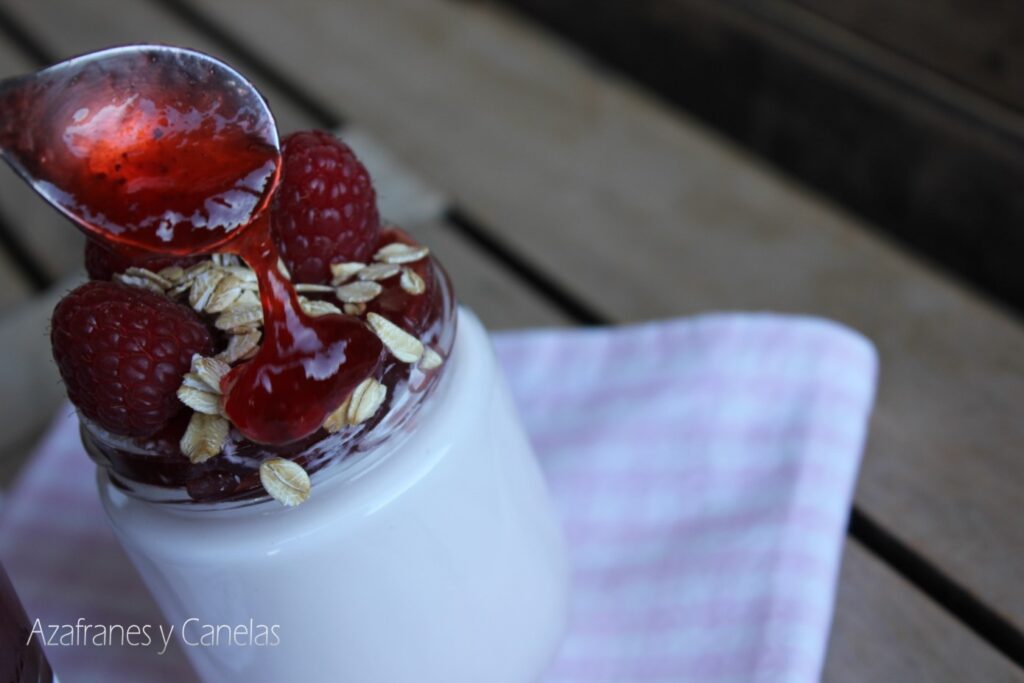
<point>703,468</point>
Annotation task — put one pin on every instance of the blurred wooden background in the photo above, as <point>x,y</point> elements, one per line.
<point>909,113</point>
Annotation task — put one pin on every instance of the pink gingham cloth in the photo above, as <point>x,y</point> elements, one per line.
<point>703,468</point>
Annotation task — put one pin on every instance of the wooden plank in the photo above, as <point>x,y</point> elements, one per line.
<point>645,214</point>
<point>976,43</point>
<point>933,163</point>
<point>500,299</point>
<point>497,296</point>
<point>14,289</point>
<point>30,388</point>
<point>48,238</point>
<point>68,28</point>
<point>402,197</point>
<point>876,609</point>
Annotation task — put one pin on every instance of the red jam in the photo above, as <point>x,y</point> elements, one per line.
<point>144,149</point>
<point>143,157</point>
<point>305,367</point>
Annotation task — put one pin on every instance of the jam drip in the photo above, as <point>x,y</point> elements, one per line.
<point>151,150</point>
<point>170,151</point>
<point>154,467</point>
<point>306,366</point>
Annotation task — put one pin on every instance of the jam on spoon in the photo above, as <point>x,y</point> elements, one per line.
<point>172,151</point>
<point>145,146</point>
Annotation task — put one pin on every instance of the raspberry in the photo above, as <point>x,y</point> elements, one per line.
<point>102,263</point>
<point>122,352</point>
<point>325,210</point>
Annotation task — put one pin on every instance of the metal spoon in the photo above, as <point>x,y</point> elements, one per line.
<point>148,146</point>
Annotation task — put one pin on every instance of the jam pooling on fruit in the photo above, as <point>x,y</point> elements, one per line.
<point>305,367</point>
<point>172,152</point>
<point>154,468</point>
<point>154,150</point>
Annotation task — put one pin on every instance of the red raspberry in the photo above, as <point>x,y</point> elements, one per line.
<point>102,263</point>
<point>325,209</point>
<point>122,352</point>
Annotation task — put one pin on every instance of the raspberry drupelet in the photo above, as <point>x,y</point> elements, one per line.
<point>325,209</point>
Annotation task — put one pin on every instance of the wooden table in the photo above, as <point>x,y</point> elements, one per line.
<point>558,193</point>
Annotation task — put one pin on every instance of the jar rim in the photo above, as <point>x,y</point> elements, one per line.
<point>389,462</point>
<point>164,479</point>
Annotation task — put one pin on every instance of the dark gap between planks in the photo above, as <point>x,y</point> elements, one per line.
<point>976,615</point>
<point>325,116</point>
<point>253,62</point>
<point>22,259</point>
<point>32,49</point>
<point>924,169</point>
<point>29,267</point>
<point>901,558</point>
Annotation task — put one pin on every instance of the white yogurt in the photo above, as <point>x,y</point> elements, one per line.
<point>434,560</point>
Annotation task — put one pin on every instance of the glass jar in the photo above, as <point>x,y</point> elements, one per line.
<point>21,656</point>
<point>435,555</point>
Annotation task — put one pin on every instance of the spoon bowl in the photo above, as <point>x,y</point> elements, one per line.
<point>147,146</point>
